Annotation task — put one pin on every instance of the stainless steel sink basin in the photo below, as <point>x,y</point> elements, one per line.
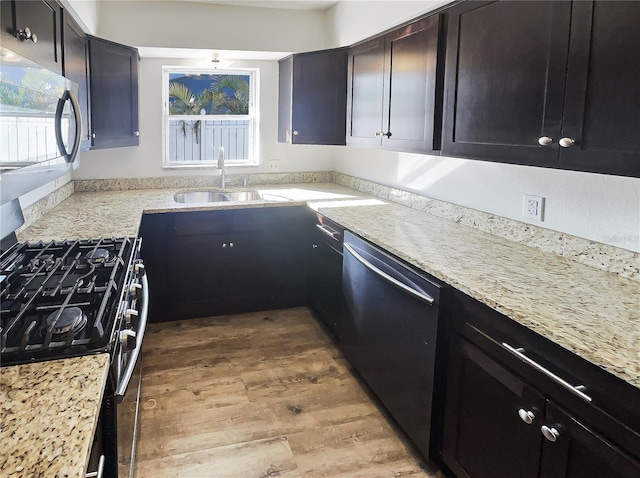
<point>244,196</point>
<point>200,197</point>
<point>206,196</point>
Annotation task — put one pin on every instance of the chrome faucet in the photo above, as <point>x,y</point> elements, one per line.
<point>221,166</point>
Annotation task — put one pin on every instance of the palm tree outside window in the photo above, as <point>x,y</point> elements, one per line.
<point>206,110</point>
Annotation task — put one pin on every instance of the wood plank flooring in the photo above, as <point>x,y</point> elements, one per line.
<point>259,395</point>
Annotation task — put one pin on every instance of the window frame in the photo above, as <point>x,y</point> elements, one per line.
<point>253,116</point>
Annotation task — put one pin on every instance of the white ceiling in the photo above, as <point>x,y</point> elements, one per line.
<point>286,4</point>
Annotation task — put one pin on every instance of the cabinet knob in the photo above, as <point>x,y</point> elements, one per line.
<point>527,416</point>
<point>224,245</point>
<point>378,133</point>
<point>550,434</point>
<point>136,133</point>
<point>545,141</point>
<point>27,35</point>
<point>315,246</point>
<point>387,134</point>
<point>566,142</point>
<point>231,244</point>
<point>295,133</point>
<point>93,135</point>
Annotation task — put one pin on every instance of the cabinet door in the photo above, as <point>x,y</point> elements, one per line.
<point>250,272</point>
<point>504,80</point>
<point>42,18</point>
<point>411,114</point>
<point>198,274</point>
<point>75,62</point>
<point>285,99</point>
<point>114,94</point>
<point>365,92</point>
<point>578,452</point>
<point>484,435</point>
<point>602,112</point>
<point>319,97</point>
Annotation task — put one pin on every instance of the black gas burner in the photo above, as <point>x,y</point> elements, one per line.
<point>98,256</point>
<point>63,320</point>
<point>61,298</point>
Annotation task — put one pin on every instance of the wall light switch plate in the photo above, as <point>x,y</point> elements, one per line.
<point>273,165</point>
<point>533,207</point>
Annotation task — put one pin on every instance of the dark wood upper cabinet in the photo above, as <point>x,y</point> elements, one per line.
<point>365,93</point>
<point>114,94</point>
<point>602,102</point>
<point>31,28</point>
<point>393,82</point>
<point>75,66</point>
<point>544,84</point>
<point>312,97</point>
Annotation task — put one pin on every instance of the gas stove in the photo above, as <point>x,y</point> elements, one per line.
<point>65,298</point>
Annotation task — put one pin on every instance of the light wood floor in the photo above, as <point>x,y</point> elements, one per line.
<point>258,395</point>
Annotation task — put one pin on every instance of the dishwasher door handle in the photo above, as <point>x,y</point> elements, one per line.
<point>427,299</point>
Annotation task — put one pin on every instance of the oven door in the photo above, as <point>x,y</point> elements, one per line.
<point>128,365</point>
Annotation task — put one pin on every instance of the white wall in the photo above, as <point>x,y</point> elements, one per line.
<point>349,22</point>
<point>85,12</point>
<point>209,26</point>
<point>593,206</point>
<point>146,160</point>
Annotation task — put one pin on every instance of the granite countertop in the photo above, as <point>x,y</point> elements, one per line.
<point>49,411</point>
<point>592,313</point>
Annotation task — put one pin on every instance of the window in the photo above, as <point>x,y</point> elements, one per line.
<point>205,110</point>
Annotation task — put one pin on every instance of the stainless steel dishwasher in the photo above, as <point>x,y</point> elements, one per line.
<point>390,338</point>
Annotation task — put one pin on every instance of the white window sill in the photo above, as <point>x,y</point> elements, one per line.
<point>210,166</point>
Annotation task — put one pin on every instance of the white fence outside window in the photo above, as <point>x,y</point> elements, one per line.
<point>199,140</point>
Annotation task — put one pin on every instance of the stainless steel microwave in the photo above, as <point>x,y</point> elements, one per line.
<point>40,125</point>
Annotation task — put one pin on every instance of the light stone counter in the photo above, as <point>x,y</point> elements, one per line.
<point>48,416</point>
<point>593,313</point>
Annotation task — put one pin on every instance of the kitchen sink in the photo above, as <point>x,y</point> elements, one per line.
<point>189,197</point>
<point>206,196</point>
<point>244,196</point>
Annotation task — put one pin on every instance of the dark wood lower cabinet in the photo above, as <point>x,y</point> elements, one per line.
<point>503,418</point>
<point>484,435</point>
<point>227,261</point>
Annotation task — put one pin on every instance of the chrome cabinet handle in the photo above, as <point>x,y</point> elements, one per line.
<point>550,434</point>
<point>378,133</point>
<point>332,234</point>
<point>27,35</point>
<point>527,416</point>
<point>576,390</point>
<point>567,142</point>
<point>136,133</point>
<point>544,141</point>
<point>231,244</point>
<point>224,245</point>
<point>295,133</point>
<point>418,295</point>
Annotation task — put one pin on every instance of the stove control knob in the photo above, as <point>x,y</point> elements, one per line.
<point>129,314</point>
<point>128,339</point>
<point>139,269</point>
<point>134,290</point>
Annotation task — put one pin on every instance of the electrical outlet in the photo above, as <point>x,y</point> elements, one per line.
<point>533,207</point>
<point>273,165</point>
